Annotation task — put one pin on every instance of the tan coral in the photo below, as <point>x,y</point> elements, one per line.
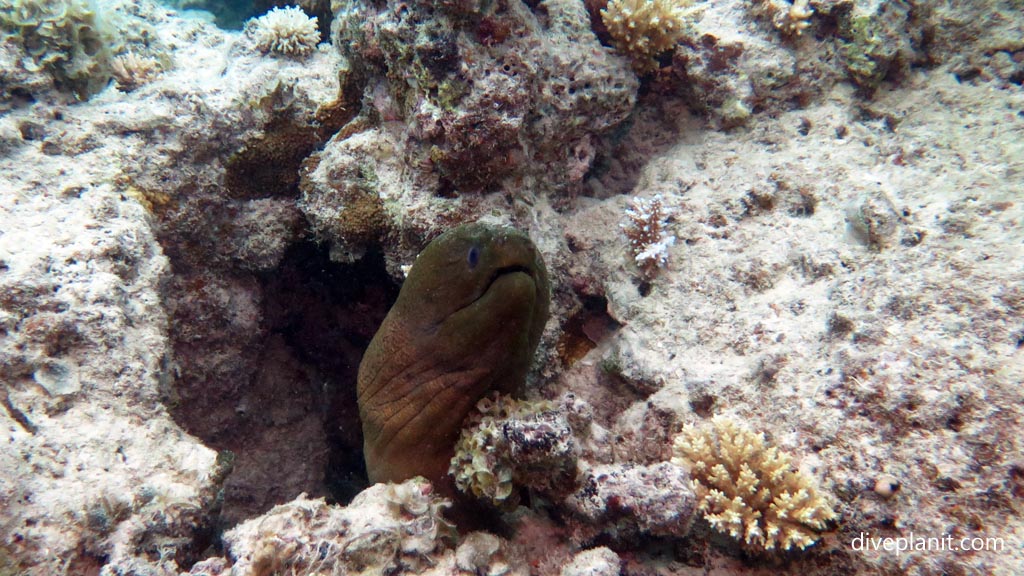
<point>750,490</point>
<point>131,71</point>
<point>644,29</point>
<point>790,18</point>
<point>287,31</point>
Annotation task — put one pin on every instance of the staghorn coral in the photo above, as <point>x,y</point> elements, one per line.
<point>508,442</point>
<point>749,490</point>
<point>645,229</point>
<point>287,31</point>
<point>644,29</point>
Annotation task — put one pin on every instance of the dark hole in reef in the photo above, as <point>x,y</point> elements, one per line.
<point>265,367</point>
<point>328,313</point>
<point>585,329</point>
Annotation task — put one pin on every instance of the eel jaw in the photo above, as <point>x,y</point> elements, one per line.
<point>498,273</point>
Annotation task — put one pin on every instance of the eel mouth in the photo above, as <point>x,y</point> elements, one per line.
<point>504,271</point>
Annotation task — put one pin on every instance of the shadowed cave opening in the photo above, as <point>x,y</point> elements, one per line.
<point>327,313</point>
<point>265,368</point>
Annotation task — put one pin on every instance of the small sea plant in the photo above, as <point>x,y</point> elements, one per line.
<point>645,29</point>
<point>750,490</point>
<point>288,31</point>
<point>646,229</point>
<point>132,71</point>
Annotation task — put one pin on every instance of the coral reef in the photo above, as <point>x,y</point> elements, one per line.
<point>288,31</point>
<point>483,553</point>
<point>95,471</point>
<point>645,29</point>
<point>507,443</point>
<point>72,39</point>
<point>646,228</point>
<point>749,490</point>
<point>624,502</point>
<point>599,561</point>
<point>388,527</point>
<point>67,49</point>
<point>487,96</point>
<point>210,252</point>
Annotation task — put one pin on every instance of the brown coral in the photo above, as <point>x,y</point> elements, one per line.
<point>749,490</point>
<point>646,229</point>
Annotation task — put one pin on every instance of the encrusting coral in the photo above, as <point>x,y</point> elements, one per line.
<point>644,29</point>
<point>749,490</point>
<point>287,31</point>
<point>645,225</point>
<point>72,39</point>
<point>508,442</point>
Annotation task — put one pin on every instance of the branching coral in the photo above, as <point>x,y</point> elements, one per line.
<point>644,29</point>
<point>287,31</point>
<point>510,442</point>
<point>645,227</point>
<point>749,490</point>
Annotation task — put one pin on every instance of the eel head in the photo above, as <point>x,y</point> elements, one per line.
<point>467,321</point>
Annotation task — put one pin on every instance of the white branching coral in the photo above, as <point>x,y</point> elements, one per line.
<point>287,31</point>
<point>645,227</point>
<point>644,29</point>
<point>749,490</point>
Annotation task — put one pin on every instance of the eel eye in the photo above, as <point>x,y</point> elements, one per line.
<point>473,257</point>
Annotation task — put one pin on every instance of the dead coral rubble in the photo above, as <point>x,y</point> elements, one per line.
<point>623,501</point>
<point>386,529</point>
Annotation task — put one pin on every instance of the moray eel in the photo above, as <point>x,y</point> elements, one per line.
<point>467,321</point>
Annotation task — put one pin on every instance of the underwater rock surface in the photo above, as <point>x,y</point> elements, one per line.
<point>198,240</point>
